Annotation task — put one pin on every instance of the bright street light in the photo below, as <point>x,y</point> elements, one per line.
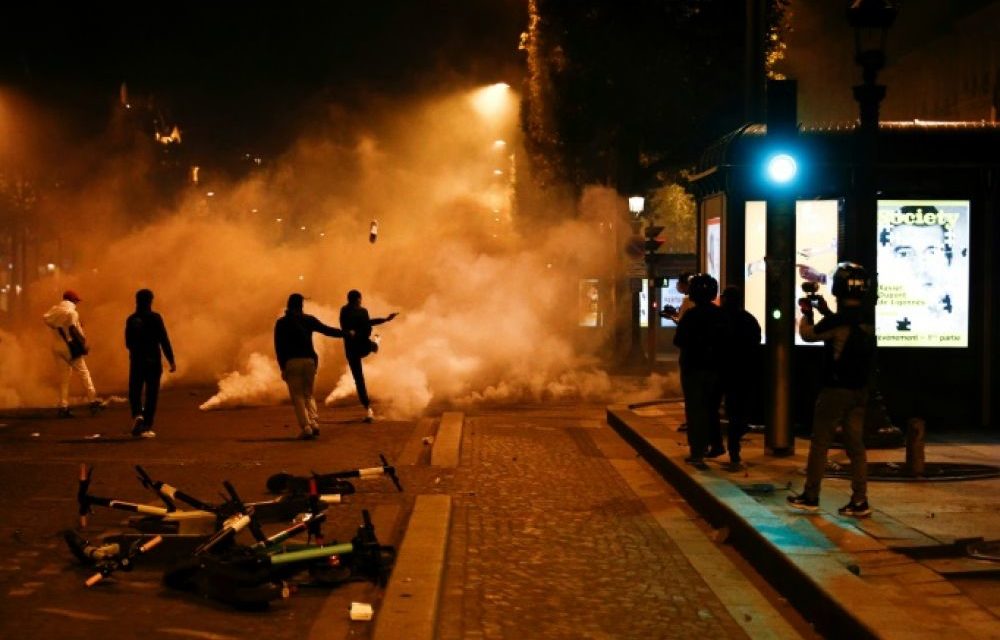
<point>636,205</point>
<point>493,100</point>
<point>781,168</point>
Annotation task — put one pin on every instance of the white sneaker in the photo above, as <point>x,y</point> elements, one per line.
<point>148,434</point>
<point>370,416</point>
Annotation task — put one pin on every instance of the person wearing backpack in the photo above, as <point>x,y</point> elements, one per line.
<point>849,346</point>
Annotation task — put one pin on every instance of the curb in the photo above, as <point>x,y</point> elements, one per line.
<point>409,608</point>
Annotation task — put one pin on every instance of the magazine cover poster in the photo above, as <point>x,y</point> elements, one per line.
<point>923,273</point>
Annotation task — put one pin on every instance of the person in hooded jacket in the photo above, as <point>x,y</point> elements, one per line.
<point>147,343</point>
<point>298,361</point>
<point>69,347</point>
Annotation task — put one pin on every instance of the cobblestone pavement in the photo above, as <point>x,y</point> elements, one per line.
<point>548,541</point>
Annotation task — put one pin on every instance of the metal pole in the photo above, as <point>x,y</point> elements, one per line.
<point>652,299</point>
<point>780,322</point>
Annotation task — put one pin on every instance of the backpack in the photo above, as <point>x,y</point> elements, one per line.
<point>853,369</point>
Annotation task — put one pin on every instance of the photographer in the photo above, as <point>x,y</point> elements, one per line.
<point>848,363</point>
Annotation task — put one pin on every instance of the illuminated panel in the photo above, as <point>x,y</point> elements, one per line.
<point>922,250</point>
<point>713,248</point>
<point>589,300</point>
<point>815,253</point>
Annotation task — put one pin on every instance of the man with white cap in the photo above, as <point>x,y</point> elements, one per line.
<point>69,348</point>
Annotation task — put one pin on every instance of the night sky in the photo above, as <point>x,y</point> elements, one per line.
<point>232,71</point>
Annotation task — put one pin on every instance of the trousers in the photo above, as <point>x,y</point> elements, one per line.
<point>300,376</point>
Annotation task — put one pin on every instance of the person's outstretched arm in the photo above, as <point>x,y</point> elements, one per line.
<point>375,321</point>
<point>326,330</point>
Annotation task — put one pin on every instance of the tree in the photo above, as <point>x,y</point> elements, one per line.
<point>618,92</point>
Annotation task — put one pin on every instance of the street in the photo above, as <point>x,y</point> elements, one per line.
<point>558,530</point>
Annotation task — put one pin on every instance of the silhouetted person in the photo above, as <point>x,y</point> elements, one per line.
<point>699,337</point>
<point>740,370</point>
<point>147,342</point>
<point>70,347</point>
<point>357,328</point>
<point>298,360</point>
<point>849,347</point>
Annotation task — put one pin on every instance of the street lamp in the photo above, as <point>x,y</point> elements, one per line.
<point>870,20</point>
<point>636,205</point>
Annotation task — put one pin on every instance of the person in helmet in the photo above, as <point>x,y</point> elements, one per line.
<point>848,338</point>
<point>700,336</point>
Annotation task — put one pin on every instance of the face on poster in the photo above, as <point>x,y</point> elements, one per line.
<point>815,252</point>
<point>923,273</point>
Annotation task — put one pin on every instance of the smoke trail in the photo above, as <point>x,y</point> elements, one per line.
<point>485,314</point>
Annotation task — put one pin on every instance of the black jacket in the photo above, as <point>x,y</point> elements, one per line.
<point>356,319</point>
<point>145,335</point>
<point>701,337</point>
<point>293,336</point>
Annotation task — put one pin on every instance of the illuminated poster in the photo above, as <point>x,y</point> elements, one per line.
<point>923,270</point>
<point>590,303</point>
<point>815,252</point>
<point>713,248</point>
<point>754,249</point>
<point>669,295</point>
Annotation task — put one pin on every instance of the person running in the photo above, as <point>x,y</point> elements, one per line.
<point>147,342</point>
<point>849,347</point>
<point>70,348</point>
<point>298,361</point>
<point>358,343</point>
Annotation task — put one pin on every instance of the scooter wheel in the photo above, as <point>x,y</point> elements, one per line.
<point>278,483</point>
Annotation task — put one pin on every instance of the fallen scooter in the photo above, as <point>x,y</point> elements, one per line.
<point>286,483</point>
<point>253,576</point>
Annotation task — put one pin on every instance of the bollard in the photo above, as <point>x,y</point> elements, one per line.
<point>915,429</point>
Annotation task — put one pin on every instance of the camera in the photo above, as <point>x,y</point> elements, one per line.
<point>812,297</point>
<point>668,311</point>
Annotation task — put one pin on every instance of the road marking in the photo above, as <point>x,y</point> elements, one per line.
<point>76,615</point>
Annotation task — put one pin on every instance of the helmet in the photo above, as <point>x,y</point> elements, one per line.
<point>702,288</point>
<point>850,280</point>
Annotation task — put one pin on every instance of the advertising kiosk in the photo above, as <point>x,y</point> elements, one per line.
<point>936,243</point>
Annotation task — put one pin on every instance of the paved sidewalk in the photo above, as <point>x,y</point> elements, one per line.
<point>850,577</point>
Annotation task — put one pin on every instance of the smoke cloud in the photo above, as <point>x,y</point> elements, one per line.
<point>486,314</point>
